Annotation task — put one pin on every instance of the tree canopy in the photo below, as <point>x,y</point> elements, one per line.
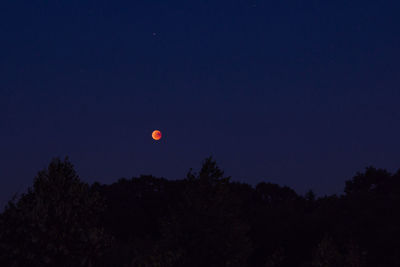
<point>204,219</point>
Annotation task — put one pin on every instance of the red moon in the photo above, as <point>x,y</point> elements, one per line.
<point>156,135</point>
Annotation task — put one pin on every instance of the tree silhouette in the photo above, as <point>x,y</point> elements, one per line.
<point>371,199</point>
<point>54,223</point>
<point>206,225</point>
<point>373,180</point>
<point>203,220</point>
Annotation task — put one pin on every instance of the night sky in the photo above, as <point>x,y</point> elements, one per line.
<point>299,93</point>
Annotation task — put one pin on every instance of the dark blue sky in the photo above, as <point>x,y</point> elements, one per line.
<point>300,93</point>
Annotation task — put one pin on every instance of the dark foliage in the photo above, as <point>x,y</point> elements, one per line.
<point>202,220</point>
<point>54,224</point>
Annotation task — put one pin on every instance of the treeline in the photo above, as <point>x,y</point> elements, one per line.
<point>203,220</point>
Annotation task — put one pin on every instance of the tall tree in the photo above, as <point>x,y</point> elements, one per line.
<point>54,223</point>
<point>206,228</point>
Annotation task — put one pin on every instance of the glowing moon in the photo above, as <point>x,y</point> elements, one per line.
<point>156,135</point>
